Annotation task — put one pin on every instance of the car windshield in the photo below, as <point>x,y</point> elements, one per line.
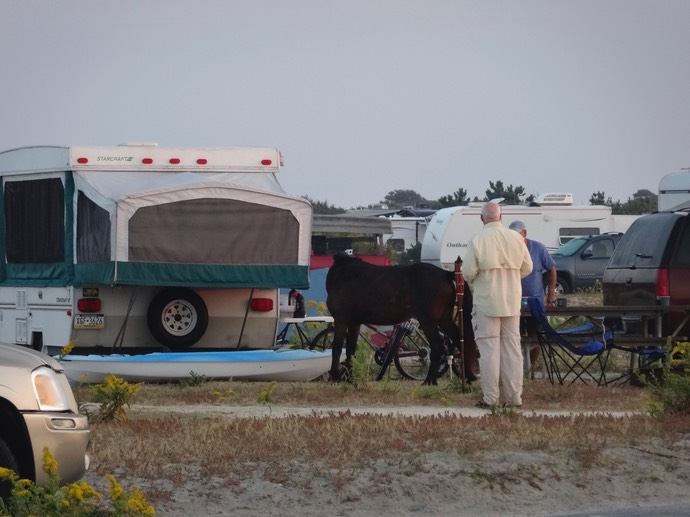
<point>570,248</point>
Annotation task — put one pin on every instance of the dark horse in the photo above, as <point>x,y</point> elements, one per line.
<point>359,292</point>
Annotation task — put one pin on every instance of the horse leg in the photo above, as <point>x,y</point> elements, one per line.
<point>436,344</point>
<point>351,347</point>
<point>340,332</point>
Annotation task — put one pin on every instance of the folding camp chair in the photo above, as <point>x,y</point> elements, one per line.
<point>646,366</point>
<point>574,354</point>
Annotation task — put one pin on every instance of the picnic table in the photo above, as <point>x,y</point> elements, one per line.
<point>648,315</point>
<point>297,324</point>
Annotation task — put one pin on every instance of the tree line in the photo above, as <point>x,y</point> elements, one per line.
<point>641,202</point>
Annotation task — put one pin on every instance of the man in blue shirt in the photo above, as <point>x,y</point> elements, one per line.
<point>533,284</point>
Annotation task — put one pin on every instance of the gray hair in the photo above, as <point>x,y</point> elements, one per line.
<point>518,226</point>
<point>491,212</point>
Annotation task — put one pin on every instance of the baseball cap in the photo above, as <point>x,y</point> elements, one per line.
<point>518,226</point>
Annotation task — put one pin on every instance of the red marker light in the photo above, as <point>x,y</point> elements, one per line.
<point>174,161</point>
<point>82,160</point>
<point>202,161</point>
<point>147,161</point>
<point>261,304</point>
<point>266,162</point>
<point>89,304</point>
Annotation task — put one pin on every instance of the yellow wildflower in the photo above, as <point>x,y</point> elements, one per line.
<point>137,504</point>
<point>116,490</point>
<point>75,492</point>
<point>67,349</point>
<point>6,473</point>
<point>679,354</point>
<point>49,463</point>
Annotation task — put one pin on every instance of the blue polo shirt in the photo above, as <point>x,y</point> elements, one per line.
<point>542,261</point>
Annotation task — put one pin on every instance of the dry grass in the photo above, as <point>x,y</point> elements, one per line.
<point>537,395</point>
<point>150,446</point>
<point>163,453</point>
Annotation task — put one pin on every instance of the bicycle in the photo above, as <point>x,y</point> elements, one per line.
<point>405,345</point>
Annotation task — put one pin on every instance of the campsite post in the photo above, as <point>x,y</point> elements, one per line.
<point>460,290</point>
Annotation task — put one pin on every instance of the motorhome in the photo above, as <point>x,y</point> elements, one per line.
<point>552,220</point>
<point>137,246</point>
<point>674,191</point>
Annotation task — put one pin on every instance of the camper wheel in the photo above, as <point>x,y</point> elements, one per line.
<point>177,317</point>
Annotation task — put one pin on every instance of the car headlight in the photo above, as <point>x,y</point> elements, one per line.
<point>48,390</point>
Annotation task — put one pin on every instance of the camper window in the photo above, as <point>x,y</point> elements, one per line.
<point>190,232</point>
<point>93,231</point>
<point>35,221</point>
<point>568,234</point>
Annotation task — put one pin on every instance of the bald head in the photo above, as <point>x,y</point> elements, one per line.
<point>491,212</point>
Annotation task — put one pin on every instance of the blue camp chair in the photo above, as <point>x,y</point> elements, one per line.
<point>579,353</point>
<point>646,366</point>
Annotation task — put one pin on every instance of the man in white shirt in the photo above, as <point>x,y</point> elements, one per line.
<point>496,261</point>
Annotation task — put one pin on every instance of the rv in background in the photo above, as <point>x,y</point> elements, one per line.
<point>553,221</point>
<point>674,191</point>
<point>142,247</point>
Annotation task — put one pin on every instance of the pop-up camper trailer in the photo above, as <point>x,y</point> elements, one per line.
<point>142,247</point>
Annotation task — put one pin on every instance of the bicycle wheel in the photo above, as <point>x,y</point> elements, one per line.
<point>388,353</point>
<point>414,357</point>
<point>323,340</point>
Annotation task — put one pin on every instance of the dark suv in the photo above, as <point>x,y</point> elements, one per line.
<point>652,260</point>
<point>580,262</point>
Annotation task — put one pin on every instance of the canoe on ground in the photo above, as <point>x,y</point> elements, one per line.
<point>284,364</point>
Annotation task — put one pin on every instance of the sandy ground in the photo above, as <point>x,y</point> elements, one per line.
<point>515,483</point>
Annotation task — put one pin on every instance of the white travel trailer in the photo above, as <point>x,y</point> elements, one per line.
<point>553,223</point>
<point>674,190</point>
<point>146,247</point>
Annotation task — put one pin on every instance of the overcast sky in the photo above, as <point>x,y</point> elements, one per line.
<point>366,96</point>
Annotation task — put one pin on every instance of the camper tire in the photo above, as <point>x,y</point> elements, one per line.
<point>177,318</point>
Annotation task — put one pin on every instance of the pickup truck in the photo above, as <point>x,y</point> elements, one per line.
<point>580,262</point>
<point>38,410</point>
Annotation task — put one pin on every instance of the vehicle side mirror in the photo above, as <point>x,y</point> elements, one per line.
<point>587,254</point>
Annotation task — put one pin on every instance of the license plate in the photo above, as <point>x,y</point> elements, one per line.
<point>89,321</point>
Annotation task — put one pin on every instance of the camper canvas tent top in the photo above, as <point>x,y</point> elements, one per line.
<point>149,217</point>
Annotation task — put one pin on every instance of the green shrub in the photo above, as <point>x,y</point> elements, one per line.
<point>671,394</point>
<point>113,396</point>
<point>266,393</point>
<point>194,379</point>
